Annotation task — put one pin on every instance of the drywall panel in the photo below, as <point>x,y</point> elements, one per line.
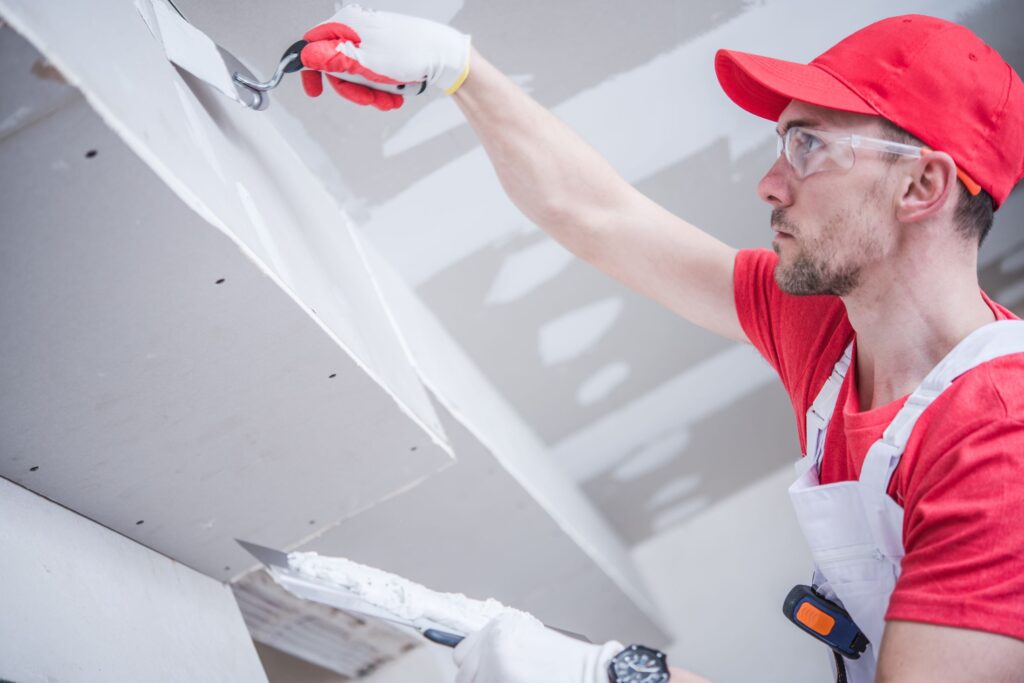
<point>39,91</point>
<point>155,380</point>
<point>82,603</point>
<point>721,578</point>
<point>234,168</point>
<point>474,529</point>
<point>500,432</point>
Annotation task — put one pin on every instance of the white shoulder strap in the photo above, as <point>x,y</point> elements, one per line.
<point>820,412</point>
<point>1001,338</point>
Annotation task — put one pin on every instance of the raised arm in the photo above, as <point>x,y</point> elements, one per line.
<point>564,186</point>
<point>552,175</point>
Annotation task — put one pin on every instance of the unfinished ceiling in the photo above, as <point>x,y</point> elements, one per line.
<point>655,418</point>
<point>168,375</point>
<point>155,380</point>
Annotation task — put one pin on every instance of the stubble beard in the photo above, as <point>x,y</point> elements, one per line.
<point>815,269</point>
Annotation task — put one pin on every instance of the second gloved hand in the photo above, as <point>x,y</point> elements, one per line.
<point>517,648</point>
<point>386,48</point>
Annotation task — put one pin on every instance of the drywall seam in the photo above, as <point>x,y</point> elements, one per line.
<point>689,114</point>
<point>517,448</point>
<point>719,380</point>
<point>14,16</point>
<point>303,540</point>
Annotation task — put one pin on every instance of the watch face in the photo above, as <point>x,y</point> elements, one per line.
<point>638,664</point>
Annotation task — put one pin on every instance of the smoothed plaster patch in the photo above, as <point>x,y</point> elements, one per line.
<point>679,513</point>
<point>654,455</point>
<point>524,271</point>
<point>680,487</point>
<point>598,386</point>
<point>699,391</point>
<point>573,334</point>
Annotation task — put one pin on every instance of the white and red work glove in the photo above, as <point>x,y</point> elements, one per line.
<point>382,47</point>
<point>517,648</point>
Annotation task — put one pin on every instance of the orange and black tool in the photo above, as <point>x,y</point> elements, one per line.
<point>825,620</point>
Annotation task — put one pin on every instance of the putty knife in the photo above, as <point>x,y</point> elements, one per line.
<point>194,51</point>
<point>331,594</point>
<point>291,62</point>
<point>334,595</point>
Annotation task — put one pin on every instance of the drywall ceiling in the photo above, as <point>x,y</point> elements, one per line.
<point>155,379</point>
<point>187,403</point>
<point>654,418</point>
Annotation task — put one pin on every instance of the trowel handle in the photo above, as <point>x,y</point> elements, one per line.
<point>400,89</point>
<point>442,638</point>
<point>291,61</point>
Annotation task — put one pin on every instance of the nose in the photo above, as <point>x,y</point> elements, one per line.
<point>775,187</point>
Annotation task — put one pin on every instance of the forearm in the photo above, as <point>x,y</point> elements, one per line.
<point>549,172</point>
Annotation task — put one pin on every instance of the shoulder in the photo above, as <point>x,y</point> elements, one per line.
<point>974,430</point>
<point>992,391</point>
<point>963,482</point>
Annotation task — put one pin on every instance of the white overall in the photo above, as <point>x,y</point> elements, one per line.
<point>853,528</point>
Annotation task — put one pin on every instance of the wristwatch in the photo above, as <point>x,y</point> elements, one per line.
<point>638,664</point>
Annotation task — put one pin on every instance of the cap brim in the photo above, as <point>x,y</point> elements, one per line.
<point>765,86</point>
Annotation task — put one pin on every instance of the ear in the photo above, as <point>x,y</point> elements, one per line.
<point>926,190</point>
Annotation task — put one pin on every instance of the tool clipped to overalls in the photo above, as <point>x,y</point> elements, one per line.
<point>825,620</point>
<point>854,529</point>
<point>291,62</point>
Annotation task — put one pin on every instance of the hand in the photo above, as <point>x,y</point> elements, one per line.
<point>516,648</point>
<point>386,48</point>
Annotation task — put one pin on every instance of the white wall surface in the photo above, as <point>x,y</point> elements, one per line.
<point>82,603</point>
<point>720,579</point>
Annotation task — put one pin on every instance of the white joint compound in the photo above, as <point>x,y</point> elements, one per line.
<point>400,596</point>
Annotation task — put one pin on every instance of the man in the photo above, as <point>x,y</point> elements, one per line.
<point>896,146</point>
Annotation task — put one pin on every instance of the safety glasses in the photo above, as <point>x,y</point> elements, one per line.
<point>811,151</point>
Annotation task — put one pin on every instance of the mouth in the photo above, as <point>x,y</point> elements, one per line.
<point>779,222</point>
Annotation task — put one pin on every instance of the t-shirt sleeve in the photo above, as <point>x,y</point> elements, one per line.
<point>757,300</point>
<point>964,532</point>
<point>800,336</point>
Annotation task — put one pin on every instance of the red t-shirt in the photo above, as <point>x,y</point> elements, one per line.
<point>961,478</point>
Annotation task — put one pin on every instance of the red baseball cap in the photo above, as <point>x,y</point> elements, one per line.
<point>931,77</point>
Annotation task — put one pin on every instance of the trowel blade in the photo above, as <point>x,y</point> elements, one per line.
<point>309,588</point>
<point>268,556</point>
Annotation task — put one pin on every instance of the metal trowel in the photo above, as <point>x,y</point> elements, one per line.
<point>307,588</point>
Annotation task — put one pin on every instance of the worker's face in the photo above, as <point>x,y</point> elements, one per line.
<point>829,226</point>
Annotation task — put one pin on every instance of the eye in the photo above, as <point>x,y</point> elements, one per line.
<point>806,142</point>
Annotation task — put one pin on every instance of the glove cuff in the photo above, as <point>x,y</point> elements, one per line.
<point>598,665</point>
<point>454,64</point>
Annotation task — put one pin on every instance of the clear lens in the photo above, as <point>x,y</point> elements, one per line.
<point>810,152</point>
